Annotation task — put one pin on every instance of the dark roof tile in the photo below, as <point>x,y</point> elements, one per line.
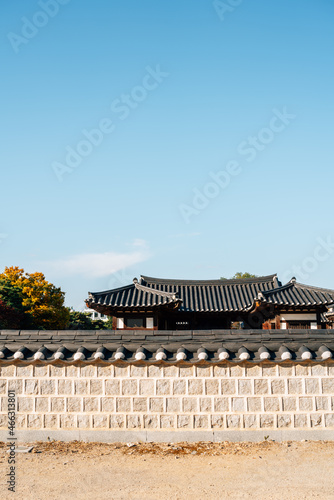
<point>234,346</point>
<point>190,295</point>
<point>298,294</point>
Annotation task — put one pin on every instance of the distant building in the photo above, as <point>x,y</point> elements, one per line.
<point>95,315</point>
<point>261,303</point>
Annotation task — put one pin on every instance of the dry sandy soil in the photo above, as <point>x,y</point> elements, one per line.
<point>267,470</point>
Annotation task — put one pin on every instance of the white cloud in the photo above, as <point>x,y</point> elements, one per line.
<point>140,243</point>
<point>96,265</point>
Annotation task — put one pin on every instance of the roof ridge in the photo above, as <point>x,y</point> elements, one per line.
<point>303,285</point>
<point>112,289</point>
<point>154,291</point>
<point>240,281</point>
<point>282,287</point>
<point>291,283</point>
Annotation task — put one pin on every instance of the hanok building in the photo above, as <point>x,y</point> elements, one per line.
<point>261,302</point>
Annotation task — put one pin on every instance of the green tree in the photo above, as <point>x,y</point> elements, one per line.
<point>9,318</point>
<point>11,295</point>
<point>240,275</point>
<point>99,324</point>
<point>83,321</point>
<point>13,315</point>
<point>79,321</point>
<point>108,325</point>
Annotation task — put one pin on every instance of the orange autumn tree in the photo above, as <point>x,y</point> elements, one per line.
<point>42,300</point>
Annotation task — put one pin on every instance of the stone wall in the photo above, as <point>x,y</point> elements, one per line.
<point>122,401</point>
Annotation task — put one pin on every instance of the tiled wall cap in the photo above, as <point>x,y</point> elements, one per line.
<point>41,353</point>
<point>181,354</point>
<point>140,354</point>
<point>264,353</point>
<point>223,353</point>
<point>80,354</point>
<point>60,354</point>
<point>20,353</point>
<point>202,354</point>
<point>284,353</point>
<point>160,354</point>
<point>243,354</point>
<point>120,353</point>
<point>305,353</point>
<point>293,346</point>
<point>100,353</point>
<point>325,353</point>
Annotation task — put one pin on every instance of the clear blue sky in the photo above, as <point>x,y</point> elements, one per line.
<point>202,91</point>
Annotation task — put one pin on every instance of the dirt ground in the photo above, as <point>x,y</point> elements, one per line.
<point>268,470</point>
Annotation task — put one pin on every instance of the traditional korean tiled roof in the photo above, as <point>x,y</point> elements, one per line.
<point>298,294</point>
<point>213,346</point>
<point>132,297</point>
<point>188,295</point>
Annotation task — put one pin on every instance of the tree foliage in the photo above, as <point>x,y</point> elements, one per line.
<point>108,325</point>
<point>11,294</point>
<point>41,301</point>
<point>13,315</point>
<point>80,321</point>
<point>10,318</point>
<point>240,275</point>
<point>83,321</point>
